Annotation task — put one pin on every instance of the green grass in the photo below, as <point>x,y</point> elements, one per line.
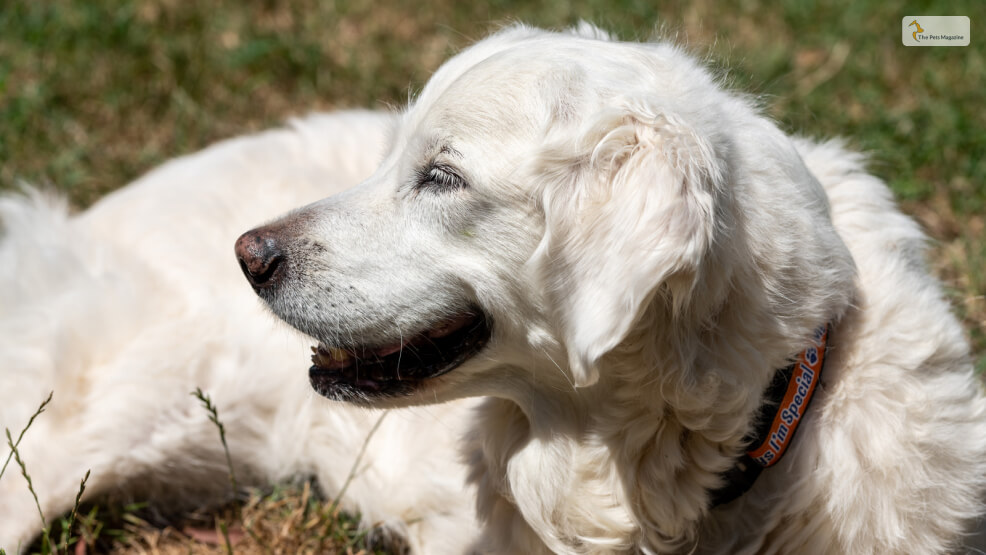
<point>95,92</point>
<point>46,545</point>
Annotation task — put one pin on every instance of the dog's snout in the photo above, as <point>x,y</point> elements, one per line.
<point>261,257</point>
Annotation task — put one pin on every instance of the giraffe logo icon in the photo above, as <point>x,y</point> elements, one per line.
<point>918,31</point>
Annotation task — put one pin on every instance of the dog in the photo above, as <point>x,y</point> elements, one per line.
<point>621,256</point>
<point>122,310</point>
<point>594,259</point>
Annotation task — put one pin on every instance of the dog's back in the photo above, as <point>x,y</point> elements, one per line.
<point>900,417</point>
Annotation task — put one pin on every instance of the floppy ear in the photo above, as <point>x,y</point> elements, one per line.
<point>630,212</point>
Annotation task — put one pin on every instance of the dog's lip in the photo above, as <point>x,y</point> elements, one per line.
<point>330,358</point>
<point>358,371</point>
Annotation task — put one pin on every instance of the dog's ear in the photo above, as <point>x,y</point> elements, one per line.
<point>630,210</point>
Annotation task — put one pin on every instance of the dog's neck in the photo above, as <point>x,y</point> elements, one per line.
<point>784,404</point>
<point>641,450</point>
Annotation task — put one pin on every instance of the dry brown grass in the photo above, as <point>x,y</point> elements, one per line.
<point>291,520</point>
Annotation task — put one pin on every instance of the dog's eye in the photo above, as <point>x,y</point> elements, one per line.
<point>440,177</point>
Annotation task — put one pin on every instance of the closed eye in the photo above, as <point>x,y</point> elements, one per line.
<point>440,177</point>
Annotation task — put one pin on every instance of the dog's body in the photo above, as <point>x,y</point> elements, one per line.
<point>596,235</point>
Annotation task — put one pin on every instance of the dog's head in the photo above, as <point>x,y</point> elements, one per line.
<point>542,192</point>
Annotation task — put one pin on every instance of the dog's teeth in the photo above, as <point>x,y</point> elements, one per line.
<point>330,357</point>
<point>321,360</point>
<point>340,355</point>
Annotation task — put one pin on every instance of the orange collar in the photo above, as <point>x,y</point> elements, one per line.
<point>784,405</point>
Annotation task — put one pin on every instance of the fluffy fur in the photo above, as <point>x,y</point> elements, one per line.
<point>649,248</point>
<point>126,308</point>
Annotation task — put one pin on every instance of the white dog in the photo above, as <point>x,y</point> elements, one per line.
<point>596,235</point>
<point>125,309</point>
<point>621,255</point>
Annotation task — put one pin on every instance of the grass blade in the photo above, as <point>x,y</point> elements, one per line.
<point>21,436</point>
<point>214,417</point>
<point>67,529</point>
<point>224,529</point>
<point>45,540</point>
<point>352,471</point>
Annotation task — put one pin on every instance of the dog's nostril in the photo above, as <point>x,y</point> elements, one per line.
<point>265,276</point>
<point>260,257</point>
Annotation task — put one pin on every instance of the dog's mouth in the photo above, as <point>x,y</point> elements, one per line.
<point>359,372</point>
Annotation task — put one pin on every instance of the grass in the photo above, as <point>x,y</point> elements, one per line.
<point>47,546</point>
<point>14,444</point>
<point>95,92</point>
<point>15,454</point>
<point>214,418</point>
<point>206,401</point>
<point>287,519</point>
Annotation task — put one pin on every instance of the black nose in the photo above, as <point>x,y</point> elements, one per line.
<point>260,257</point>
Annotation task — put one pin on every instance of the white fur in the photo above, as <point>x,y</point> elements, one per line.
<point>650,249</point>
<point>126,308</point>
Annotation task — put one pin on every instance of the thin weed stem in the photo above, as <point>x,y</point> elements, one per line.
<point>333,507</point>
<point>15,444</point>
<point>214,416</point>
<point>225,532</point>
<point>45,539</point>
<point>67,530</point>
